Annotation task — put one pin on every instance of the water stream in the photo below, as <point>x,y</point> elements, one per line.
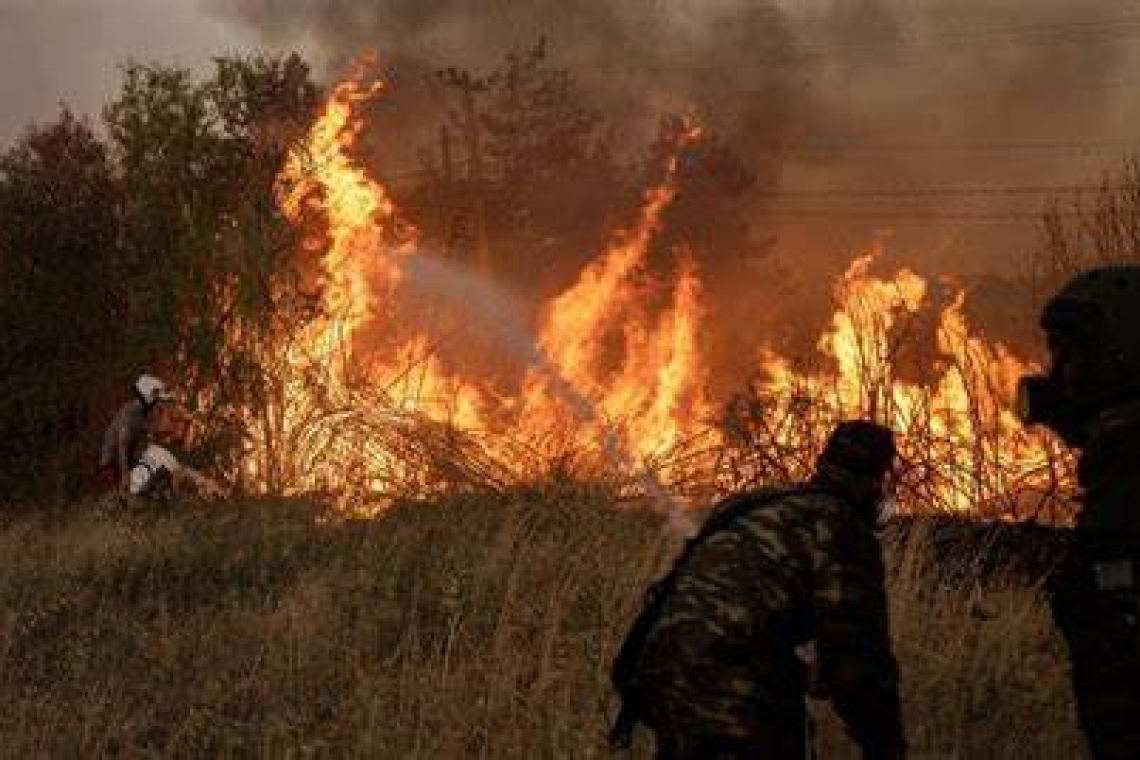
<point>497,312</point>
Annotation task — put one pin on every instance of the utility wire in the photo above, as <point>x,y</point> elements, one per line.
<point>947,97</point>
<point>890,215</point>
<point>869,53</point>
<point>1074,31</point>
<point>940,192</point>
<point>1030,28</point>
<point>949,147</point>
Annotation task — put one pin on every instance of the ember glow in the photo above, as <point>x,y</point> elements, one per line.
<point>368,409</point>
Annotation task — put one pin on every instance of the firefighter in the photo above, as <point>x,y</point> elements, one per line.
<point>1091,399</point>
<point>126,436</point>
<point>717,672</point>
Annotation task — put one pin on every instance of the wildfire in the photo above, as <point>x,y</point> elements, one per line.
<point>335,395</point>
<point>654,398</point>
<point>966,449</point>
<point>611,370</point>
<point>323,177</point>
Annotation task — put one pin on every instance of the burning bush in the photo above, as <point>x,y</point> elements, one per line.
<point>324,347</point>
<point>615,379</point>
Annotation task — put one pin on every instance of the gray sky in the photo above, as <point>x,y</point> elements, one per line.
<point>54,51</point>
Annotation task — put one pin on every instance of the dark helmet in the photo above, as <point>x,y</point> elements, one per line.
<point>859,448</point>
<point>1093,329</point>
<point>855,463</point>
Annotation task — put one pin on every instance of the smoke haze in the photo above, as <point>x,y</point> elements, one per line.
<point>55,52</point>
<point>941,128</point>
<point>941,125</point>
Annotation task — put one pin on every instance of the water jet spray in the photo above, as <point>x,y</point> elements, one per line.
<point>494,307</point>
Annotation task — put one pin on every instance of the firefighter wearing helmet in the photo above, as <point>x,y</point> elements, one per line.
<point>126,436</point>
<point>1091,398</point>
<point>713,663</point>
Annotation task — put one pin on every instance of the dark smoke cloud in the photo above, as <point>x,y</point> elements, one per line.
<point>638,58</point>
<point>913,98</point>
<point>844,75</point>
<point>881,90</point>
<point>830,101</point>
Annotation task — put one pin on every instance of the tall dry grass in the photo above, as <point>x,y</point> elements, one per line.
<point>475,626</point>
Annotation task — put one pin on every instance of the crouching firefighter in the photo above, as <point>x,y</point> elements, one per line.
<point>1091,398</point>
<point>127,435</point>
<point>711,664</point>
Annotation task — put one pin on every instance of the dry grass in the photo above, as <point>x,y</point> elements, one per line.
<point>469,627</point>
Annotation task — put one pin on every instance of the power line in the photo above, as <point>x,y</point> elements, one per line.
<point>1074,31</point>
<point>1094,145</point>
<point>946,97</point>
<point>866,54</point>
<point>939,192</point>
<point>891,215</point>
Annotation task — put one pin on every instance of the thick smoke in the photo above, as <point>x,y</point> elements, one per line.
<point>939,124</point>
<point>729,61</point>
<point>830,100</point>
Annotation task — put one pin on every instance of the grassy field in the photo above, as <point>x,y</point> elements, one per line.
<point>471,627</point>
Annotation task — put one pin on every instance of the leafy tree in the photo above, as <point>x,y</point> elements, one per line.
<point>554,183</point>
<point>550,183</point>
<point>712,212</point>
<point>61,314</point>
<point>209,254</point>
<point>712,220</point>
<point>160,248</point>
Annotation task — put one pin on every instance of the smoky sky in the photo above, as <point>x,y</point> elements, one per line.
<point>56,52</point>
<point>638,59</point>
<point>943,125</point>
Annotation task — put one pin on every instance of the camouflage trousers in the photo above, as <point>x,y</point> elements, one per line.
<point>1102,630</point>
<point>787,741</point>
<point>695,748</point>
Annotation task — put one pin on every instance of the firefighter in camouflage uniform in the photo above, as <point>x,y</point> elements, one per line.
<point>1091,398</point>
<point>719,675</point>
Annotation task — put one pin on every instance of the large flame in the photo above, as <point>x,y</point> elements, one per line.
<point>654,397</point>
<point>322,176</point>
<point>319,434</point>
<point>610,370</point>
<point>968,451</point>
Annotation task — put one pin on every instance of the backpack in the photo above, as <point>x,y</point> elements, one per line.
<point>627,663</point>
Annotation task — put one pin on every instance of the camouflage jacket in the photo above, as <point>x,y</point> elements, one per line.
<point>722,660</point>
<point>1109,523</point>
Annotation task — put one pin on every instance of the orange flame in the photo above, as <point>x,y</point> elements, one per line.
<point>958,427</point>
<point>641,369</point>
<point>322,176</point>
<point>653,397</point>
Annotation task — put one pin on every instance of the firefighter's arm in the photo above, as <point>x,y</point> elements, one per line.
<point>206,486</point>
<point>857,668</point>
<point>123,455</point>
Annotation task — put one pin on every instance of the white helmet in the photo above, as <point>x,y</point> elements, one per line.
<point>152,390</point>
